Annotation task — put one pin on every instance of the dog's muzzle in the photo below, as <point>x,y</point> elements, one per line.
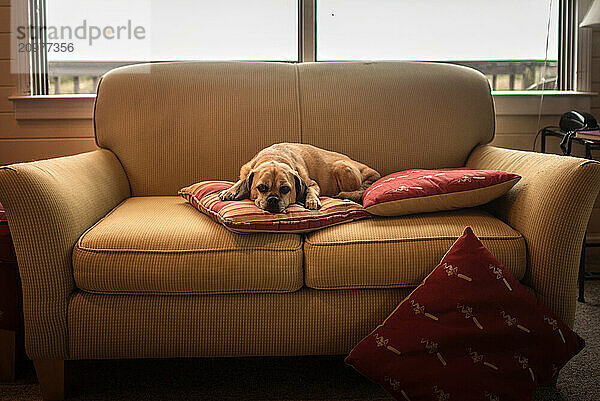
<point>272,204</point>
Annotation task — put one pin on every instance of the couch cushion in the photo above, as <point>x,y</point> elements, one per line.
<point>244,216</point>
<point>162,245</point>
<point>396,115</point>
<point>388,252</point>
<point>171,124</point>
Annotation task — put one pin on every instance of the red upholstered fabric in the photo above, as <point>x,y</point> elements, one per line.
<point>470,331</point>
<point>7,251</point>
<point>2,214</point>
<point>416,191</point>
<point>245,217</point>
<point>11,315</point>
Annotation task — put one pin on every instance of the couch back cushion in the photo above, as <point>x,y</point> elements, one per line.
<point>395,116</point>
<point>173,124</point>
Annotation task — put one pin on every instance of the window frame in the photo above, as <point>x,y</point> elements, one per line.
<point>574,62</point>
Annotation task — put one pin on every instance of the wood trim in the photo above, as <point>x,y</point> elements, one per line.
<point>4,19</point>
<point>507,103</point>
<point>567,46</point>
<point>553,102</point>
<point>54,107</point>
<point>10,128</point>
<point>584,60</point>
<point>26,150</point>
<point>6,105</point>
<point>21,66</point>
<point>585,49</point>
<point>307,27</point>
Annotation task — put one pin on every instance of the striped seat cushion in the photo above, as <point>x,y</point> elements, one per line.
<point>245,217</point>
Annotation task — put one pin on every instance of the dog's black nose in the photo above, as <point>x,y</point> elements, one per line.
<point>273,203</point>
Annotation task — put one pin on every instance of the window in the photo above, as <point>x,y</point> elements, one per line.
<point>506,40</point>
<point>110,33</point>
<point>516,44</point>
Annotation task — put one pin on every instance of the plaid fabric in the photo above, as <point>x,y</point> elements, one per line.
<point>171,124</point>
<point>420,191</point>
<point>385,252</point>
<point>162,245</point>
<point>49,204</point>
<point>550,206</point>
<point>392,115</point>
<point>244,217</point>
<point>305,322</point>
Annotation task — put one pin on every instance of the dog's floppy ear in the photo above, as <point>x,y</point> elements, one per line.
<point>300,189</point>
<point>243,191</point>
<point>248,181</point>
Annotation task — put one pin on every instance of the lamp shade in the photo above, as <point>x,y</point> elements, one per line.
<point>592,18</point>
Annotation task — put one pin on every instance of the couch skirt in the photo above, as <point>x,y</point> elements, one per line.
<point>305,322</point>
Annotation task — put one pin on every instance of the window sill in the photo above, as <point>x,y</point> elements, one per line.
<point>54,107</point>
<point>507,103</point>
<point>527,103</point>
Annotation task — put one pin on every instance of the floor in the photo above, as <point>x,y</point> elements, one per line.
<point>290,379</point>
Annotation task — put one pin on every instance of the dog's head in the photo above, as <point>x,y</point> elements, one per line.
<point>273,186</point>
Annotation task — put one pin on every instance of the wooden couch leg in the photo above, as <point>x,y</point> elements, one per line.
<point>51,376</point>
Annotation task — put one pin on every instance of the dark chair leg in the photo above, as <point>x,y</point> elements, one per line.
<point>51,375</point>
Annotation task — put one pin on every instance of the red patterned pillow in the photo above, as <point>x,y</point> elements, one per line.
<point>418,191</point>
<point>470,331</point>
<point>245,217</point>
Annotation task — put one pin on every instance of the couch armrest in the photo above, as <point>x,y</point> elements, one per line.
<point>49,204</point>
<point>550,207</point>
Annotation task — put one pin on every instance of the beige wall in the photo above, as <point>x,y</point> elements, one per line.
<point>24,140</point>
<point>593,254</point>
<point>518,132</point>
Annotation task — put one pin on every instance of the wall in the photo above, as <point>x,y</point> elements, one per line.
<point>24,140</point>
<point>593,254</point>
<point>518,132</point>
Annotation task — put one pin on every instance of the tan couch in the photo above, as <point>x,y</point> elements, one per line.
<point>114,265</point>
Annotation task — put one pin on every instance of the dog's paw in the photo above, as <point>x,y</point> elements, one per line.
<point>227,195</point>
<point>312,203</point>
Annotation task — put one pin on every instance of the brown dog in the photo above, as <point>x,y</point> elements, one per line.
<point>287,173</point>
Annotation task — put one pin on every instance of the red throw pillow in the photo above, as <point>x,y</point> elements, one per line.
<point>470,331</point>
<point>418,191</point>
<point>245,217</point>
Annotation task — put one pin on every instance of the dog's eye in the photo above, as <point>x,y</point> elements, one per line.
<point>262,188</point>
<point>284,189</point>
